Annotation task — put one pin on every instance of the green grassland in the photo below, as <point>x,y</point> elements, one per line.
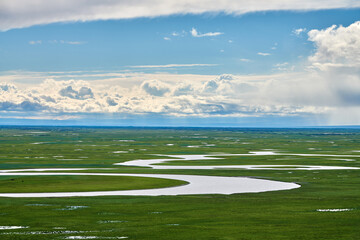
<point>19,184</point>
<point>290,214</point>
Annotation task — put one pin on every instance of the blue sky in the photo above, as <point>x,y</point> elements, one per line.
<point>257,68</point>
<point>116,44</point>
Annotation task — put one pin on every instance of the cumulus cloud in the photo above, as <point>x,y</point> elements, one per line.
<point>24,13</point>
<point>195,33</point>
<point>23,106</point>
<point>337,60</point>
<point>7,87</point>
<point>336,46</point>
<point>155,88</point>
<point>218,85</point>
<point>152,96</point>
<point>82,93</point>
<point>111,102</point>
<point>330,84</point>
<point>11,99</point>
<point>182,89</point>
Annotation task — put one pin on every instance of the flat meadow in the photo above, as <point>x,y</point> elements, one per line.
<point>326,206</point>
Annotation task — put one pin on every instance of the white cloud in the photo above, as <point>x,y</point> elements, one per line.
<point>282,66</point>
<point>111,102</point>
<point>244,60</point>
<point>35,42</point>
<point>67,42</point>
<point>74,42</point>
<point>7,87</point>
<point>175,65</point>
<point>167,38</point>
<point>24,13</point>
<point>263,54</point>
<point>299,31</point>
<point>220,85</point>
<point>182,33</point>
<point>57,42</point>
<point>336,46</point>
<point>151,96</point>
<point>82,93</point>
<point>155,87</point>
<point>183,89</point>
<point>337,59</point>
<point>195,33</point>
<point>43,116</point>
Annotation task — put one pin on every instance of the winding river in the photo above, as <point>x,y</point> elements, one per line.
<point>196,184</point>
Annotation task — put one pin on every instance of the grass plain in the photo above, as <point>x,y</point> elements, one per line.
<point>290,214</point>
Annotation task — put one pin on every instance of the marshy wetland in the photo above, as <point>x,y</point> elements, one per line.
<point>60,183</point>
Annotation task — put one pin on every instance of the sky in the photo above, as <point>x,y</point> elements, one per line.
<point>207,63</point>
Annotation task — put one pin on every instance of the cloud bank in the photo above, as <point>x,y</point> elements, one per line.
<point>24,13</point>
